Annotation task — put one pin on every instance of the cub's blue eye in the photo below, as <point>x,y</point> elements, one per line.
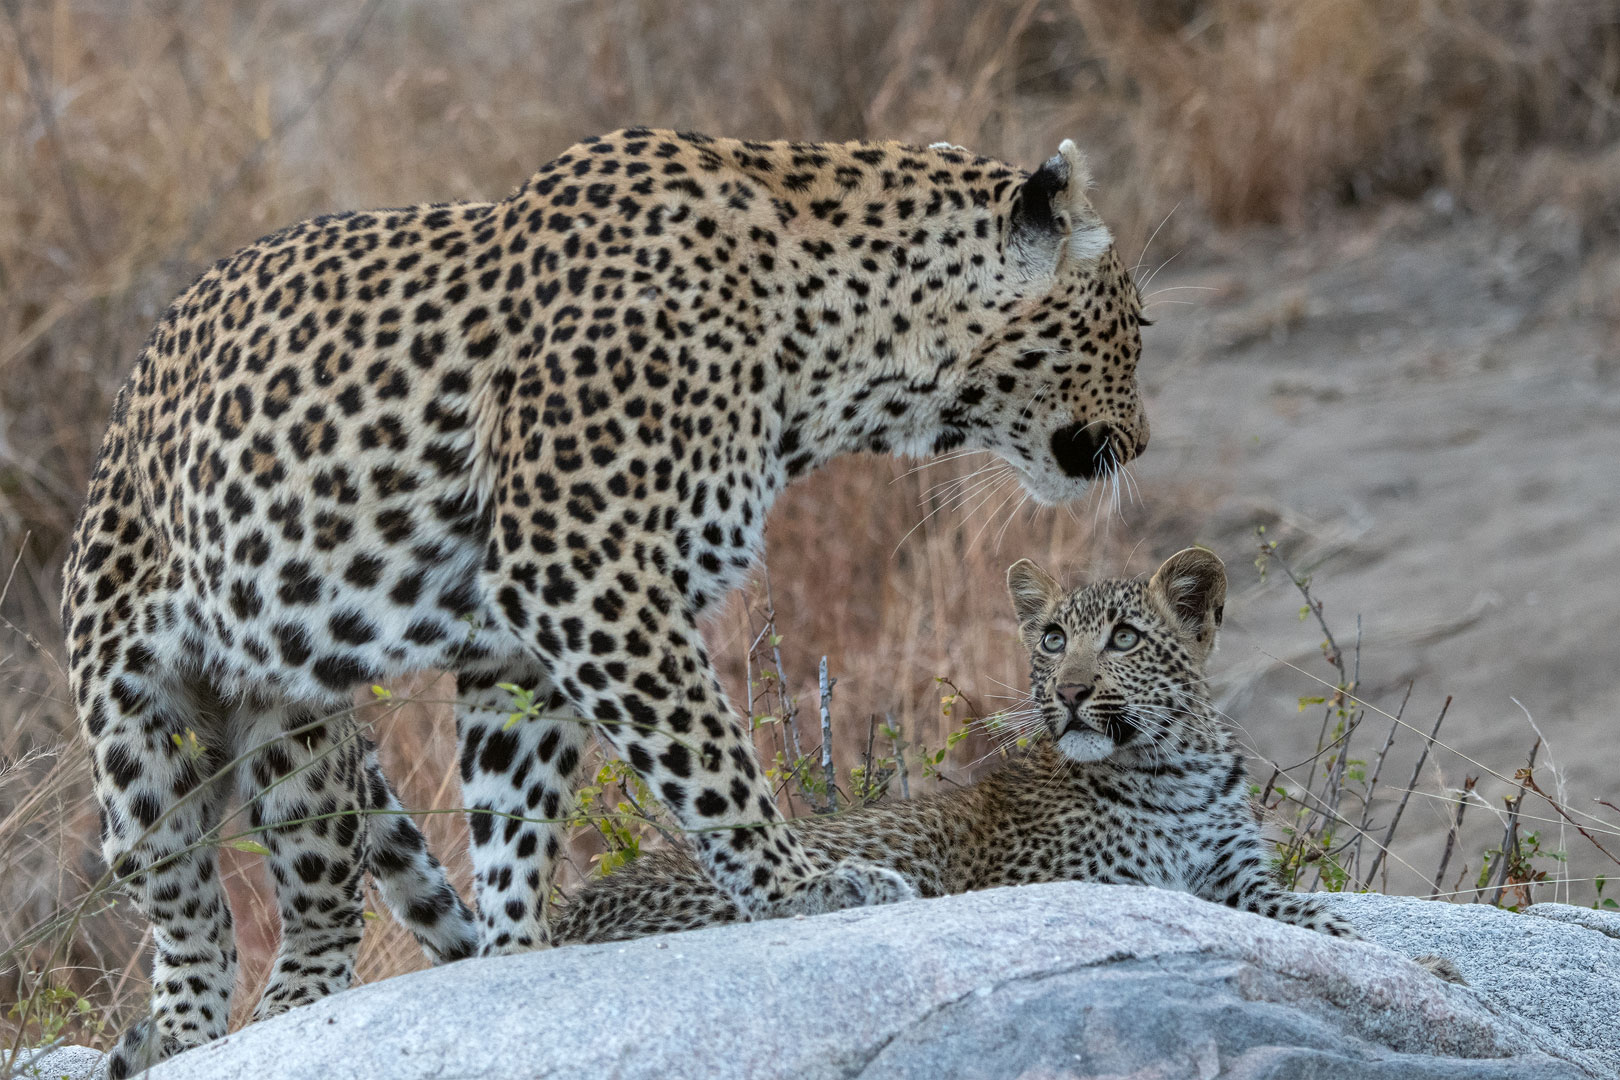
<point>1125,637</point>
<point>1054,641</point>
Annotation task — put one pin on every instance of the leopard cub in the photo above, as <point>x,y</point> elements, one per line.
<point>1130,778</point>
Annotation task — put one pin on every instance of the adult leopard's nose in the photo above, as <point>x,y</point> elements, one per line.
<point>1084,450</point>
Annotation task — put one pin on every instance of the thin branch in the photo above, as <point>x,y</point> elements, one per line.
<point>1417,771</point>
<point>1510,835</point>
<point>1451,835</point>
<point>255,157</point>
<point>827,770</point>
<point>900,757</point>
<point>1378,770</point>
<point>47,120</point>
<point>1530,781</point>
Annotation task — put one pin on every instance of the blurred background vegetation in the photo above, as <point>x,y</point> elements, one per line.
<point>141,139</point>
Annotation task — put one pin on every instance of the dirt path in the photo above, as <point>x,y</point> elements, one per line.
<point>1427,413</point>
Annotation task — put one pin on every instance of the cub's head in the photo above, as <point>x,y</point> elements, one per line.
<point>1051,387</point>
<point>1117,668</point>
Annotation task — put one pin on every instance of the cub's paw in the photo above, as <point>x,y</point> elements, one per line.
<point>1441,968</point>
<point>850,884</point>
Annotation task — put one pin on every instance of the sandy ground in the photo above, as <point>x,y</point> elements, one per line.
<point>1426,412</point>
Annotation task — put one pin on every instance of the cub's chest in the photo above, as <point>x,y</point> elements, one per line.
<point>1164,838</point>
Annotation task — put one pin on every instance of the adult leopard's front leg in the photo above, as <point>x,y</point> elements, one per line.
<point>642,674</point>
<point>520,749</point>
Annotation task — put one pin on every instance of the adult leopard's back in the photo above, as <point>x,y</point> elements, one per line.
<point>530,441</point>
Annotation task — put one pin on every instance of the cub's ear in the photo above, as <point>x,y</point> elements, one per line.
<point>1052,218</point>
<point>1032,589</point>
<point>1191,589</point>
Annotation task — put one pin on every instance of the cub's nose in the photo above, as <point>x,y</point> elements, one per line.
<point>1084,450</point>
<point>1072,694</point>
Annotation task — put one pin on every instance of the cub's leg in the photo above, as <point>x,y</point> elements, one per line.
<point>412,882</point>
<point>160,806</point>
<point>1263,896</point>
<point>517,780</point>
<point>1258,893</point>
<point>305,786</point>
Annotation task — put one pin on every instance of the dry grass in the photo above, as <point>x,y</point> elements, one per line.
<point>138,141</point>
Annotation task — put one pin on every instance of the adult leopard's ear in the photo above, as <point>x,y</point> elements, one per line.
<point>1032,589</point>
<point>1190,589</point>
<point>1053,220</point>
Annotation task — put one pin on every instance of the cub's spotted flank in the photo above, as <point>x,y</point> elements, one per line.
<point>532,441</point>
<point>1131,779</point>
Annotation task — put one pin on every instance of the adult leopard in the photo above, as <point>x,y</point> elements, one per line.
<point>531,441</point>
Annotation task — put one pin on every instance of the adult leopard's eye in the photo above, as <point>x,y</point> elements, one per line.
<point>1125,637</point>
<point>1054,641</point>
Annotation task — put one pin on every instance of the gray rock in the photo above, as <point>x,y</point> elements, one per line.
<point>56,1063</point>
<point>1560,972</point>
<point>1063,980</point>
<point>1604,922</point>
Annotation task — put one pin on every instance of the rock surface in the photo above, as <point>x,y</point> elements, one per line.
<point>59,1063</point>
<point>1604,922</point>
<point>1561,971</point>
<point>1050,981</point>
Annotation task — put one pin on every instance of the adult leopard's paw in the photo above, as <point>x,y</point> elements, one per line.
<point>850,884</point>
<point>140,1048</point>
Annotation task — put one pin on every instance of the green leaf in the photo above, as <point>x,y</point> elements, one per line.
<point>252,847</point>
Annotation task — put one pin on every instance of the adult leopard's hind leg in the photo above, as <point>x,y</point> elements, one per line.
<point>412,882</point>
<point>517,780</point>
<point>306,786</point>
<point>156,756</point>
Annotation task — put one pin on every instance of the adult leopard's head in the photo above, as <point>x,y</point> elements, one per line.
<point>1117,668</point>
<point>1052,386</point>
